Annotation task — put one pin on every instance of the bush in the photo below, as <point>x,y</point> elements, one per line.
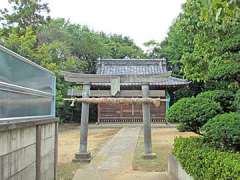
<point>192,113</point>
<point>225,98</point>
<point>192,89</point>
<point>223,131</point>
<point>236,102</point>
<point>206,163</point>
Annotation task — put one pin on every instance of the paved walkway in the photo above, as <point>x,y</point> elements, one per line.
<point>114,160</point>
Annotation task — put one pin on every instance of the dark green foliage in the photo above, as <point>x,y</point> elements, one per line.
<point>236,102</point>
<point>206,163</point>
<point>68,113</point>
<point>192,113</point>
<point>223,131</point>
<point>228,70</point>
<point>225,98</point>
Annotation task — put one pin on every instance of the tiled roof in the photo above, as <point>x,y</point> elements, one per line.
<point>136,66</point>
<point>169,81</point>
<point>131,66</point>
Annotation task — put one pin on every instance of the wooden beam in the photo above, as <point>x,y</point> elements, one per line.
<point>97,78</point>
<point>123,93</point>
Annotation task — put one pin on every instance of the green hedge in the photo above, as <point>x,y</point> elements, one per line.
<point>223,131</point>
<point>225,98</point>
<point>205,163</point>
<point>236,102</point>
<point>192,113</point>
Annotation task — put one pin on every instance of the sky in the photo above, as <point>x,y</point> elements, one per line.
<point>141,20</point>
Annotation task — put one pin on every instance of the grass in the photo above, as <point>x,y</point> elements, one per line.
<point>66,171</point>
<point>162,142</point>
<point>158,164</point>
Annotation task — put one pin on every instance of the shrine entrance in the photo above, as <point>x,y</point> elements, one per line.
<point>145,101</point>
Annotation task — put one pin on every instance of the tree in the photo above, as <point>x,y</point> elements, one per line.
<point>120,47</point>
<point>153,49</point>
<point>25,13</point>
<point>204,42</point>
<point>180,39</point>
<point>57,44</point>
<point>85,45</point>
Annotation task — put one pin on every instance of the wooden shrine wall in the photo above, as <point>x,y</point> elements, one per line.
<point>129,113</point>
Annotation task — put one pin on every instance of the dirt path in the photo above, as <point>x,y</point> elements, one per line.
<point>114,160</point>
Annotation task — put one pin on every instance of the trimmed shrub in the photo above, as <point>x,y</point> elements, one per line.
<point>223,131</point>
<point>192,113</point>
<point>206,163</point>
<point>225,98</point>
<point>236,102</point>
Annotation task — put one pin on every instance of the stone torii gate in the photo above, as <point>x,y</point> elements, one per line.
<point>86,79</point>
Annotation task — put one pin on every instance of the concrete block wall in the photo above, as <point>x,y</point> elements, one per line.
<point>18,151</point>
<point>175,169</point>
<point>47,151</point>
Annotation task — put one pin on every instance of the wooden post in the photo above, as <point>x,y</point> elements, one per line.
<point>84,155</point>
<point>38,152</point>
<point>98,112</point>
<point>56,150</point>
<point>147,125</point>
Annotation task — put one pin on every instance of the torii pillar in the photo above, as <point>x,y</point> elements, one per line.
<point>83,155</point>
<point>147,125</point>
